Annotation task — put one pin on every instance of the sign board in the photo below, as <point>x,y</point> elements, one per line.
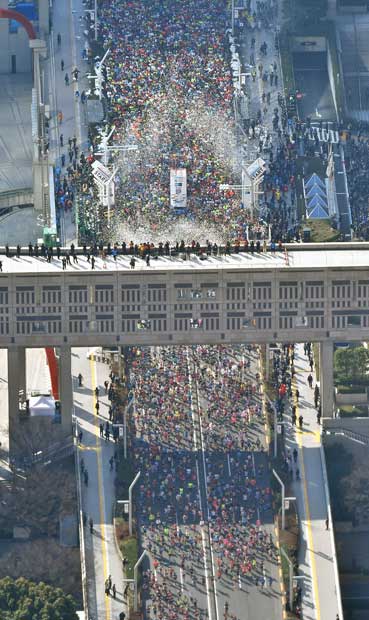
<point>100,172</point>
<point>178,188</point>
<point>105,183</point>
<point>121,431</point>
<point>287,504</point>
<point>279,429</point>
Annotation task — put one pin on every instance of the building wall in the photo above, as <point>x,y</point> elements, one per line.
<point>16,44</point>
<point>184,307</point>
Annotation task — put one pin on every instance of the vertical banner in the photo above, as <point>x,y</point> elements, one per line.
<point>178,188</point>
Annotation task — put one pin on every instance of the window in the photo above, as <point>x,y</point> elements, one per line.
<point>143,325</point>
<point>353,321</point>
<point>247,323</point>
<point>38,327</point>
<point>211,292</point>
<point>195,323</point>
<point>196,294</point>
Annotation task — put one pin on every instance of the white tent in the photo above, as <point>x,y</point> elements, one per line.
<point>43,406</point>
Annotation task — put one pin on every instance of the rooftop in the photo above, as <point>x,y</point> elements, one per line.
<point>298,256</point>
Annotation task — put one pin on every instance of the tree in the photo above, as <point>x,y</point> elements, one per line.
<point>343,363</point>
<point>351,364</point>
<point>361,357</point>
<point>22,599</point>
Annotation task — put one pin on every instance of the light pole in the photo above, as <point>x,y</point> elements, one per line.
<point>130,501</point>
<point>135,571</point>
<point>94,13</point>
<point>290,570</point>
<point>283,498</point>
<point>275,451</point>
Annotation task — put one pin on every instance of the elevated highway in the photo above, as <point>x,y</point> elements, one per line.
<point>307,292</point>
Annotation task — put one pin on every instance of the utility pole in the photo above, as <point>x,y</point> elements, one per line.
<point>130,517</point>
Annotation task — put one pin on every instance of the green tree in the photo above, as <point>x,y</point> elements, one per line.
<point>22,599</point>
<point>351,364</point>
<point>343,360</point>
<point>361,358</point>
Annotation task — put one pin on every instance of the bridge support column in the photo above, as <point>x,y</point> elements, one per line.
<point>66,389</point>
<point>267,362</point>
<point>326,378</point>
<point>16,383</point>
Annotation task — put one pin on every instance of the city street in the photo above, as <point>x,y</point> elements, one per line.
<point>98,496</point>
<point>204,505</point>
<point>319,581</point>
<point>70,25</point>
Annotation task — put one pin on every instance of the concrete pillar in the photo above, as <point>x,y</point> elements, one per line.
<point>44,16</point>
<point>326,378</point>
<point>16,382</point>
<point>267,362</point>
<point>66,389</point>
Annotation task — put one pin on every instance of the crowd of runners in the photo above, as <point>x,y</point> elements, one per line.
<point>168,88</point>
<point>176,424</point>
<point>357,166</point>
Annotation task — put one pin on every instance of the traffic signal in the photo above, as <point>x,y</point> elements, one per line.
<point>291,105</point>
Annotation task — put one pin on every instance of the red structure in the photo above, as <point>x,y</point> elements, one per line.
<point>9,14</point>
<point>53,370</point>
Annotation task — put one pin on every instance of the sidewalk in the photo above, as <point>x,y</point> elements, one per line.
<point>67,20</point>
<point>320,585</point>
<point>102,558</point>
<point>257,86</point>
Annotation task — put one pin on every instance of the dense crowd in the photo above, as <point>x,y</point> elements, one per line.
<point>168,87</point>
<point>357,166</point>
<point>175,416</point>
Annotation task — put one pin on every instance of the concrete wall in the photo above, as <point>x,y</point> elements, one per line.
<point>332,80</point>
<point>360,398</point>
<point>16,44</point>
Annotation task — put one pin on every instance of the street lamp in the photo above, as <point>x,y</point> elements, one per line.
<point>94,13</point>
<point>283,489</point>
<point>135,575</point>
<point>130,519</point>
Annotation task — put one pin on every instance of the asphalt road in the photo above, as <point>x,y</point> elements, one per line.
<point>311,76</point>
<point>203,505</point>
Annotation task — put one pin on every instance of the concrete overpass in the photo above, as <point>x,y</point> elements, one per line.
<point>308,292</point>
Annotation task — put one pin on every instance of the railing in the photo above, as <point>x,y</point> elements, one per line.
<point>358,437</point>
<point>54,452</point>
<point>15,198</point>
<point>229,248</point>
<point>81,530</point>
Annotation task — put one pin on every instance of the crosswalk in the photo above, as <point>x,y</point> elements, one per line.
<point>323,135</point>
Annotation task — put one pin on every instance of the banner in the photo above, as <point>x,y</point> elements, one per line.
<point>178,188</point>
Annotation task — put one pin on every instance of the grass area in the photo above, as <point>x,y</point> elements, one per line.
<point>124,477</point>
<point>351,389</point>
<point>322,231</point>
<point>129,549</point>
<point>287,64</point>
<point>285,566</point>
<point>353,411</point>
